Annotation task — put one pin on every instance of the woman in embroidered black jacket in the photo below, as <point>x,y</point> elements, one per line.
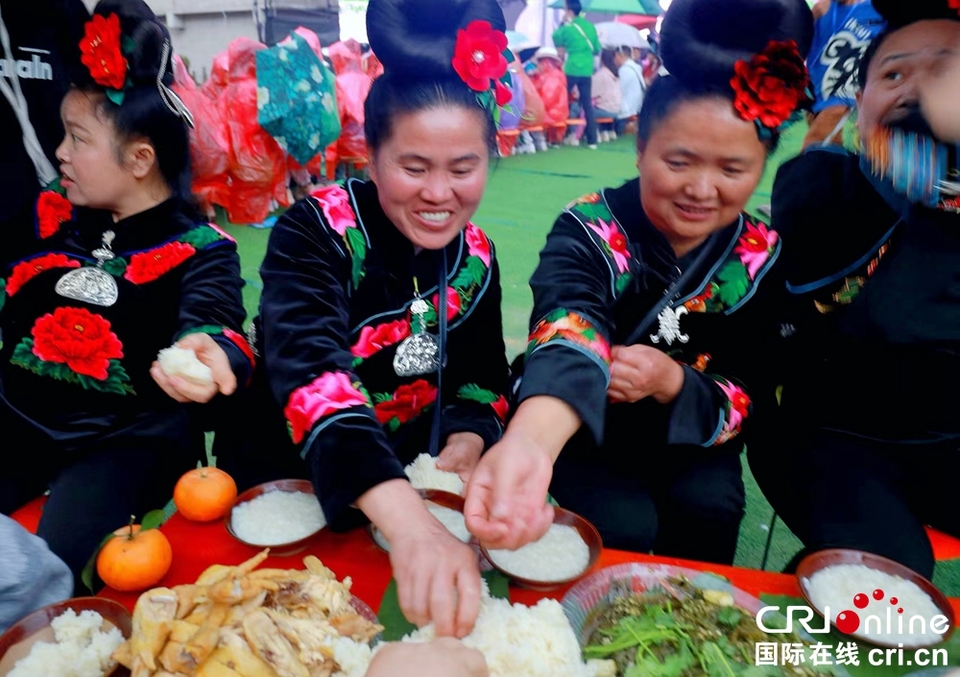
<point>119,269</point>
<point>651,322</point>
<point>351,281</point>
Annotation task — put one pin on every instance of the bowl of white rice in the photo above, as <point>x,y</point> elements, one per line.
<point>563,555</point>
<point>74,638</point>
<point>282,515</point>
<point>875,599</point>
<point>445,506</point>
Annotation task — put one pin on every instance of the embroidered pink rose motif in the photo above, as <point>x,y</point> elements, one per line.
<point>478,244</point>
<point>374,339</point>
<point>335,203</point>
<point>739,405</point>
<point>754,247</point>
<point>329,392</point>
<point>453,303</point>
<point>615,241</point>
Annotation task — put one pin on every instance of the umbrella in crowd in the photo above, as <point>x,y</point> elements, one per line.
<point>650,7</point>
<point>613,34</point>
<point>296,98</point>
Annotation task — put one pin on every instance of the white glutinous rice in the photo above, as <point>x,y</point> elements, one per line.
<point>183,362</point>
<point>560,554</point>
<point>277,517</point>
<point>352,657</point>
<point>452,519</point>
<point>81,649</point>
<point>520,641</point>
<point>837,586</point>
<point>423,474</point>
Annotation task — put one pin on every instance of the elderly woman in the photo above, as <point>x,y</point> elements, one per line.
<point>646,358</point>
<point>379,328</point>
<point>872,260</point>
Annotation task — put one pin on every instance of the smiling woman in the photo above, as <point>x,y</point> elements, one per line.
<point>653,300</point>
<point>380,329</point>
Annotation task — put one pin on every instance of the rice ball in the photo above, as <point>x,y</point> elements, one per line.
<point>183,362</point>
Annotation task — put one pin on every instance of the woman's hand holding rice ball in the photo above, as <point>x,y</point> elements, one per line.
<point>185,380</point>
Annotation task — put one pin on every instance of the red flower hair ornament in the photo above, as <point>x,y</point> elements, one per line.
<point>771,86</point>
<point>101,52</point>
<point>480,58</point>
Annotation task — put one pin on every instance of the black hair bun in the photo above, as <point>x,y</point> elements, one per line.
<point>416,38</point>
<point>701,40</point>
<point>144,37</point>
<point>900,13</point>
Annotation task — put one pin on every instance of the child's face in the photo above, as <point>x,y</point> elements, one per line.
<point>92,173</point>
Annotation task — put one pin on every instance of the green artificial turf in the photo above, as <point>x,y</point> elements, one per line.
<point>524,195</point>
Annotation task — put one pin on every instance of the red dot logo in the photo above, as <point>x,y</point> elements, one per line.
<point>847,622</point>
<point>900,610</point>
<point>861,601</point>
<point>878,594</point>
<point>894,601</point>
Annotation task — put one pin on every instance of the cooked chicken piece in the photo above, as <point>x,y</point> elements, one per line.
<point>152,620</point>
<point>234,590</point>
<point>271,646</point>
<point>309,637</point>
<point>317,568</point>
<point>355,626</point>
<point>235,653</point>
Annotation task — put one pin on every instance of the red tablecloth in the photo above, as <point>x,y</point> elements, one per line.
<point>197,546</point>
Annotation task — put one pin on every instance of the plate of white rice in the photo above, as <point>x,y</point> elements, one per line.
<point>565,553</point>
<point>74,638</point>
<point>875,599</point>
<point>281,514</point>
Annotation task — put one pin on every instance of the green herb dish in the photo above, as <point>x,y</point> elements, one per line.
<point>640,620</point>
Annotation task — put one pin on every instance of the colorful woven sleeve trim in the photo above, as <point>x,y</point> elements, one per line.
<point>237,339</point>
<point>733,413</point>
<point>328,393</point>
<point>567,328</point>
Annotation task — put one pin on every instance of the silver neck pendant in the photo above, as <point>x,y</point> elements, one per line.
<point>419,353</point>
<point>89,284</point>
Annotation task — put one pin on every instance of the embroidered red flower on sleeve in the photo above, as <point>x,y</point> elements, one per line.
<point>101,53</point>
<point>501,407</point>
<point>374,339</point>
<point>53,209</point>
<point>478,57</point>
<point>78,338</point>
<point>772,85</point>
<point>407,403</point>
<point>148,266</point>
<point>27,270</point>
